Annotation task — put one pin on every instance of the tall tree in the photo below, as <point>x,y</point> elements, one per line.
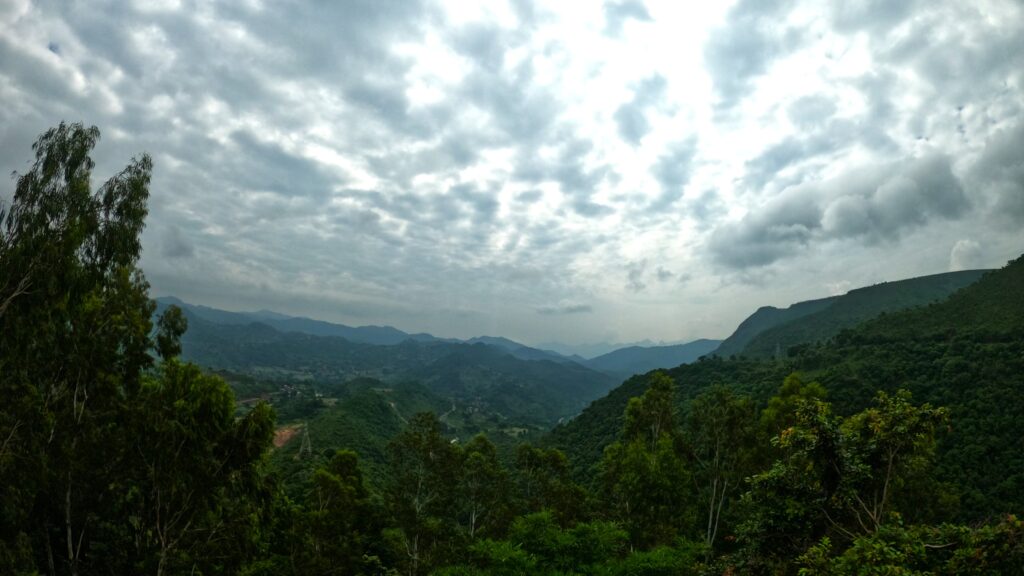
<point>644,474</point>
<point>722,433</point>
<point>423,473</point>
<point>484,489</point>
<point>74,338</point>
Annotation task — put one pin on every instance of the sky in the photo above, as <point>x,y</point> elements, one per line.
<point>545,171</point>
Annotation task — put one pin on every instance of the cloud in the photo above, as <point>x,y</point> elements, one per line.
<point>635,275</point>
<point>965,255</point>
<point>565,308</point>
<point>874,204</point>
<point>631,117</point>
<point>383,161</point>
<point>744,49</point>
<point>175,244</point>
<point>616,15</point>
<point>672,171</point>
<point>999,172</point>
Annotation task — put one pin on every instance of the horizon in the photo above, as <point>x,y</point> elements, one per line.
<point>616,172</point>
<point>569,347</point>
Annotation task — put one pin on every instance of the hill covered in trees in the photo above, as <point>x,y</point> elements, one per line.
<point>893,448</point>
<point>965,353</point>
<point>529,391</point>
<point>631,360</point>
<point>771,331</point>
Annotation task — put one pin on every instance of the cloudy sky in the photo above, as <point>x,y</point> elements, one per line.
<point>572,171</point>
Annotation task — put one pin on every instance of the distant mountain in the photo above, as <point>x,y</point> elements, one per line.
<point>535,392</point>
<point>965,353</point>
<point>772,330</point>
<point>365,334</point>
<point>857,306</point>
<point>626,362</point>
<point>593,350</point>
<point>767,317</point>
<point>521,350</point>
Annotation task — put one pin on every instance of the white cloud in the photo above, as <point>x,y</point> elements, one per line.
<point>370,162</point>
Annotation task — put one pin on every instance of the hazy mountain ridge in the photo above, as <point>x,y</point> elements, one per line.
<point>626,362</point>
<point>536,391</point>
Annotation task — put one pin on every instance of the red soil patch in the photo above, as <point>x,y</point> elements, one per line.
<point>284,434</point>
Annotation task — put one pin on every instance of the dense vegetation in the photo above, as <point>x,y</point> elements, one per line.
<point>895,450</point>
<point>532,392</point>
<point>857,306</point>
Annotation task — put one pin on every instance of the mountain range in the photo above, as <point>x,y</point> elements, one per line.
<point>965,353</point>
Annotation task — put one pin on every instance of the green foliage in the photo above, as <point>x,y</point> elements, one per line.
<point>423,471</point>
<point>644,475</point>
<point>170,327</point>
<point>837,476</point>
<point>722,432</point>
<point>855,307</point>
<point>544,482</point>
<point>108,466</point>
<point>521,392</point>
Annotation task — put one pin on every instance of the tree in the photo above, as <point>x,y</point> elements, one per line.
<point>722,433</point>
<point>108,465</point>
<point>644,473</point>
<point>780,413</point>
<point>170,327</point>
<point>484,489</point>
<point>423,473</point>
<point>545,483</point>
<point>838,476</point>
<point>339,520</point>
<point>74,339</point>
<point>193,464</point>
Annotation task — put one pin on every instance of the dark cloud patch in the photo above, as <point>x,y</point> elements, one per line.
<point>635,272</point>
<point>616,14</point>
<point>265,166</point>
<point>878,16</point>
<point>874,204</point>
<point>705,208</point>
<point>565,308</point>
<point>663,274</point>
<point>743,50</point>
<point>999,172</point>
<point>175,244</point>
<point>577,180</point>
<point>672,171</point>
<point>631,117</point>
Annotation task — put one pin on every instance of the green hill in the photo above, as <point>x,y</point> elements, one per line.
<point>631,360</point>
<point>531,392</point>
<point>965,353</point>
<point>855,307</point>
<point>765,318</point>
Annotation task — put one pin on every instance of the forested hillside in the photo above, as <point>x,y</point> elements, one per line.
<point>533,392</point>
<point>765,318</point>
<point>965,353</point>
<point>631,360</point>
<point>857,306</point>
<point>893,448</point>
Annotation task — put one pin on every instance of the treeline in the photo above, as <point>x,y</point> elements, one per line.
<point>117,458</point>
